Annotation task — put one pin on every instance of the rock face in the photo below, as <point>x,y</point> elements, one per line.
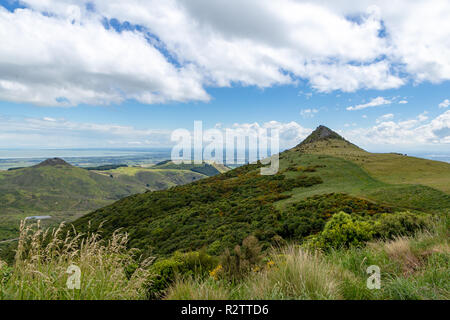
<point>324,132</point>
<point>321,133</point>
<point>53,162</point>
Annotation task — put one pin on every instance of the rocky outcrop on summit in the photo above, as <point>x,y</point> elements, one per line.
<point>321,133</point>
<point>52,162</point>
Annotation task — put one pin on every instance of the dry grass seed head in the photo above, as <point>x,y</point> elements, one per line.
<point>400,251</point>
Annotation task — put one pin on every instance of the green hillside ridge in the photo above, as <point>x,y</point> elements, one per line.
<point>65,192</point>
<point>48,186</point>
<point>207,168</point>
<point>219,212</point>
<point>391,168</point>
<point>152,179</point>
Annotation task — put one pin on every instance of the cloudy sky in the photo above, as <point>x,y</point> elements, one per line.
<point>112,73</point>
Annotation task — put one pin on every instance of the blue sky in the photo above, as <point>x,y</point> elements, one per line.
<point>95,74</point>
<point>250,104</point>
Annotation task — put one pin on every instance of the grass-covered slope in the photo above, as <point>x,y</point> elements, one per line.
<point>57,189</point>
<point>54,188</point>
<point>209,169</point>
<point>66,192</point>
<point>340,175</point>
<point>220,211</point>
<point>391,168</point>
<point>163,175</point>
<point>152,178</point>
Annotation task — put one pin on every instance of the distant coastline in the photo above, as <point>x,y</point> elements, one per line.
<point>432,156</point>
<point>13,158</point>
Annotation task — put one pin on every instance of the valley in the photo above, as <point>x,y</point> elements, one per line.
<point>65,192</point>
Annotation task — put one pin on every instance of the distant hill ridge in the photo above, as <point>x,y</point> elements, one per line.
<point>208,168</point>
<point>65,192</point>
<point>53,162</point>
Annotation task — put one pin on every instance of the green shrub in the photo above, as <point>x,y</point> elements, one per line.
<point>343,230</point>
<point>390,226</point>
<point>294,273</point>
<point>215,248</point>
<point>310,215</point>
<point>190,264</point>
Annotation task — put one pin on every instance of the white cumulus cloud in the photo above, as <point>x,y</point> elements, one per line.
<point>412,133</point>
<point>59,52</point>
<point>379,101</point>
<point>444,104</point>
<point>55,61</point>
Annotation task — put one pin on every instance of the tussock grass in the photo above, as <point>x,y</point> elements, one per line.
<point>415,267</point>
<point>108,269</point>
<point>195,289</point>
<point>297,274</point>
<point>400,250</point>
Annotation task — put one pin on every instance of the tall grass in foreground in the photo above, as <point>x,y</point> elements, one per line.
<point>293,273</point>
<point>412,267</point>
<point>296,274</point>
<point>108,268</point>
<point>415,267</point>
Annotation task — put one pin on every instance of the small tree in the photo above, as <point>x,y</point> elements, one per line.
<point>242,259</point>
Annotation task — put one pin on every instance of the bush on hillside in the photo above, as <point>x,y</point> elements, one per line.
<point>389,226</point>
<point>343,230</point>
<point>165,271</point>
<point>310,215</point>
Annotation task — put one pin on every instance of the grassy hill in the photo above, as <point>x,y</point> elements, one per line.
<point>387,167</point>
<point>163,175</point>
<point>53,188</point>
<point>209,169</point>
<point>318,178</point>
<point>151,179</point>
<point>66,192</point>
